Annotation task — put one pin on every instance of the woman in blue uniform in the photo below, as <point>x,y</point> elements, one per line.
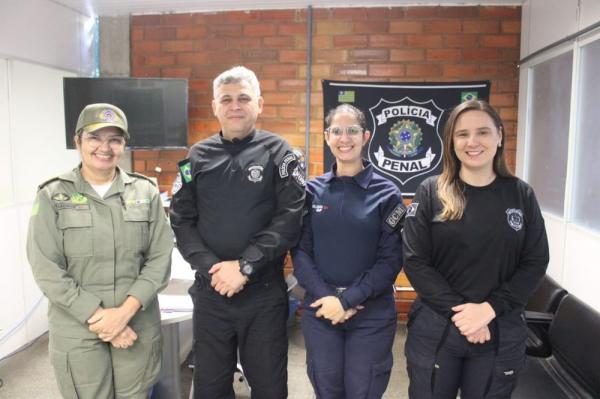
<point>475,249</point>
<point>347,260</point>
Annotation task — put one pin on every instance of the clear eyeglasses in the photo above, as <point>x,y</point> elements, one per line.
<point>96,141</point>
<point>351,131</point>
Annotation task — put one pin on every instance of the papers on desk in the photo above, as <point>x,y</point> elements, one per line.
<point>175,303</point>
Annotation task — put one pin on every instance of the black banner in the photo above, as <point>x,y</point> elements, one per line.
<point>406,121</point>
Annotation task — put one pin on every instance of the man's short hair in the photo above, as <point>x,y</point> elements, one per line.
<point>235,75</point>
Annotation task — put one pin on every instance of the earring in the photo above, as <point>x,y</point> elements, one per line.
<point>499,144</point>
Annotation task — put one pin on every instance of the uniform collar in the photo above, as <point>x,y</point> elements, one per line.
<point>83,186</point>
<point>245,140</point>
<point>362,178</point>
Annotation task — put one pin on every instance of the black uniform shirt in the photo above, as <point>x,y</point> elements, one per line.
<point>497,252</point>
<point>238,199</point>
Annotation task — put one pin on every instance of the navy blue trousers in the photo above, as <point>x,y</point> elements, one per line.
<point>440,361</point>
<point>352,360</point>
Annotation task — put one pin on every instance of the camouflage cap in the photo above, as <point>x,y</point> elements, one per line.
<point>97,116</point>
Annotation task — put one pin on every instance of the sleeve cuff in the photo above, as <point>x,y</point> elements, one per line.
<point>352,297</point>
<point>200,261</point>
<point>496,304</point>
<point>84,306</point>
<point>253,255</point>
<point>144,291</point>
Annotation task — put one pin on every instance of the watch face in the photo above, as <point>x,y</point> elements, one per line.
<point>247,269</point>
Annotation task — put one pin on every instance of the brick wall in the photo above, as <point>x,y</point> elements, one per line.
<point>370,44</point>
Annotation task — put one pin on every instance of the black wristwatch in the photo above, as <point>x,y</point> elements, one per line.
<point>246,268</point>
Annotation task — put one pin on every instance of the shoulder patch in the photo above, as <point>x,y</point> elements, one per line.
<point>396,216</point>
<point>283,168</point>
<point>48,182</point>
<point>177,184</point>
<point>298,176</point>
<point>35,209</point>
<point>141,176</point>
<point>411,210</point>
<point>185,168</point>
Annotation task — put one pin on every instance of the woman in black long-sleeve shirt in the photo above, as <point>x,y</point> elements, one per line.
<point>475,248</point>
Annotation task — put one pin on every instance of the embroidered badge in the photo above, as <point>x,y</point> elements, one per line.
<point>78,198</point>
<point>60,197</point>
<point>177,184</point>
<point>514,217</point>
<point>411,210</point>
<point>298,176</point>
<point>396,216</point>
<point>108,115</point>
<point>255,173</point>
<point>283,168</point>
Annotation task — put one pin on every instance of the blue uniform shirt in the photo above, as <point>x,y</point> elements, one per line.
<point>349,236</point>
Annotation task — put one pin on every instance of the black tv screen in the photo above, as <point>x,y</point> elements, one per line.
<point>156,109</point>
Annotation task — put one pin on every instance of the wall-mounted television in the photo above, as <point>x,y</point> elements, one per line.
<point>156,109</point>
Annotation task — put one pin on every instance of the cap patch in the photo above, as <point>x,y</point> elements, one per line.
<point>108,115</point>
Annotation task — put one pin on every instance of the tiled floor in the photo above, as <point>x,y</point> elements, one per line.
<point>28,375</point>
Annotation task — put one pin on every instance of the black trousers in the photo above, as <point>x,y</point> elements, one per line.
<point>254,320</point>
<point>440,361</point>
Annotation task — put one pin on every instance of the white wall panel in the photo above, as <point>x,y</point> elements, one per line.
<point>550,20</point>
<point>11,284</point>
<point>6,188</point>
<point>525,27</point>
<point>555,229</point>
<point>38,127</point>
<point>582,265</point>
<point>45,32</point>
<point>590,13</point>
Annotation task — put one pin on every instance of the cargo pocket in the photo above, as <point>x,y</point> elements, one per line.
<point>76,226</point>
<point>60,363</point>
<point>504,378</point>
<point>154,362</point>
<point>380,376</point>
<point>136,228</point>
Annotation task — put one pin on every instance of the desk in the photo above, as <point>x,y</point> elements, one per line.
<point>176,307</point>
<point>169,379</point>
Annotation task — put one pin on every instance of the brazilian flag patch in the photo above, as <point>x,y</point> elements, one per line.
<point>186,171</point>
<point>346,96</point>
<point>468,96</point>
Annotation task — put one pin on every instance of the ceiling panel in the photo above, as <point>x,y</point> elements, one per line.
<point>125,7</point>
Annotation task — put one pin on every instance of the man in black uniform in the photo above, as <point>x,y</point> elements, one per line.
<point>236,210</point>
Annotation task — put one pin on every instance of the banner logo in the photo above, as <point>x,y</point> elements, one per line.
<point>406,140</point>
